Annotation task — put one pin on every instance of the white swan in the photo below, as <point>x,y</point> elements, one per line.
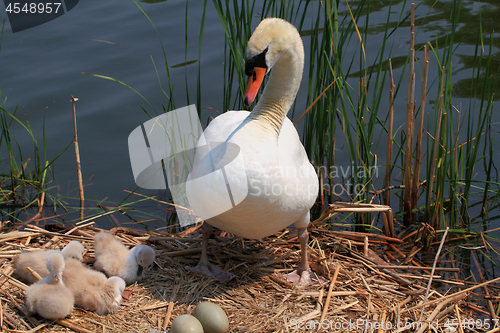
<point>49,297</point>
<point>115,259</point>
<point>36,260</point>
<point>91,289</point>
<point>282,184</point>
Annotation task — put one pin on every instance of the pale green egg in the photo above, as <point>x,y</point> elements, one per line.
<point>186,324</point>
<point>212,317</point>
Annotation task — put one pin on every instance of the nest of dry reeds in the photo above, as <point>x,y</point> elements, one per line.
<point>361,292</point>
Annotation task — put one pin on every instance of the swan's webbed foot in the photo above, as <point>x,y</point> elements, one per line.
<point>303,275</point>
<point>204,267</point>
<point>211,271</point>
<point>305,278</point>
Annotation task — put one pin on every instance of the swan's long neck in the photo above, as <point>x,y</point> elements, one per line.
<point>281,89</point>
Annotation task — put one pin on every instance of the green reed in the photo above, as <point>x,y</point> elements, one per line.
<point>24,181</point>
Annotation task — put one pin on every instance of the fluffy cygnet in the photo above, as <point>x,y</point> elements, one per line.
<point>36,261</point>
<point>115,259</point>
<point>49,297</point>
<point>91,289</point>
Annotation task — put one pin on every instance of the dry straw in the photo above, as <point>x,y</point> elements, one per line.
<point>361,288</point>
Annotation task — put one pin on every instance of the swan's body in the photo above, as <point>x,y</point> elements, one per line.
<point>115,259</point>
<point>49,297</point>
<point>36,260</point>
<point>282,184</point>
<point>91,289</point>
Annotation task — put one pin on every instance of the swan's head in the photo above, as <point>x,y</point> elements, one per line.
<point>145,256</point>
<point>74,250</point>
<point>55,265</point>
<point>271,38</point>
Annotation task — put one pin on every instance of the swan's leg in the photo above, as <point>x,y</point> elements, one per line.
<point>304,261</point>
<point>303,274</point>
<point>204,266</point>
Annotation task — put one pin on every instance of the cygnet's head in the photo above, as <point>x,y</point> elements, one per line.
<point>55,265</point>
<point>145,256</point>
<point>74,250</point>
<point>115,285</point>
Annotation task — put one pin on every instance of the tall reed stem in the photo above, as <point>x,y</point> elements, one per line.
<point>388,167</point>
<point>409,216</point>
<point>437,136</point>
<point>420,133</point>
<point>77,156</point>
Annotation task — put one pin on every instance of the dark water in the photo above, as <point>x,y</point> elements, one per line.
<point>41,68</point>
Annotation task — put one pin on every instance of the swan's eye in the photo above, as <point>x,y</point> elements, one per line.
<point>257,61</point>
<point>254,76</point>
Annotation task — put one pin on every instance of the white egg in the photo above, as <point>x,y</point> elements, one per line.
<point>186,324</point>
<point>212,317</point>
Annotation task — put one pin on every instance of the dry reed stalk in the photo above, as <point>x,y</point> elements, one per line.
<point>113,218</point>
<point>388,167</point>
<point>41,201</point>
<point>333,293</point>
<point>15,282</point>
<point>71,325</point>
<point>34,273</point>
<point>329,295</point>
<point>170,307</point>
<point>388,219</point>
<point>181,252</point>
<point>444,269</point>
<point>79,227</point>
<point>433,270</point>
<point>77,156</point>
<point>40,230</point>
<point>491,308</point>
<point>436,145</point>
<point>33,218</point>
<point>382,322</point>
<point>420,133</point>
<point>486,247</point>
<point>347,207</point>
<point>457,312</point>
<point>160,201</point>
<point>95,217</point>
<point>437,310</point>
<point>477,309</point>
<point>451,295</point>
<point>163,238</point>
<point>22,234</point>
<point>359,235</point>
<point>314,102</point>
<point>410,110</point>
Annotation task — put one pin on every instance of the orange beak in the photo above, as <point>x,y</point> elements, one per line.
<point>253,85</point>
